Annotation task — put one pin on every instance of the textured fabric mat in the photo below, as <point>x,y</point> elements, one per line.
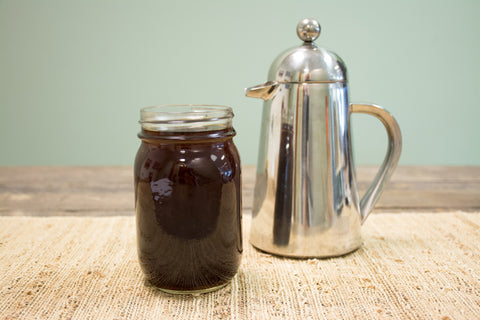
<point>411,266</point>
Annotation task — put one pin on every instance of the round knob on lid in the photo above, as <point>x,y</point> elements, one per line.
<point>308,30</point>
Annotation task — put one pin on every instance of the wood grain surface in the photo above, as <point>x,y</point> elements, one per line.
<point>108,191</point>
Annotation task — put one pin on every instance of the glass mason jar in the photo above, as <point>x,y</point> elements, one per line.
<point>188,198</point>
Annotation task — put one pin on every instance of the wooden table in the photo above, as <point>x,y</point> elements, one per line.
<point>108,191</point>
<point>67,251</point>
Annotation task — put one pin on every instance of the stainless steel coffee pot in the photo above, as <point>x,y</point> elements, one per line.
<point>306,202</point>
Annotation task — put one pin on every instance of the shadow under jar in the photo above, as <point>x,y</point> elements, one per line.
<point>188,198</point>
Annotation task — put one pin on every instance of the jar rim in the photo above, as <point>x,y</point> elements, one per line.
<point>184,113</point>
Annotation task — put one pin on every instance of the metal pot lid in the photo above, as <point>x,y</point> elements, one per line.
<point>308,63</point>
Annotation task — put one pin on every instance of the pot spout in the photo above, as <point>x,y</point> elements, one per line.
<point>264,91</point>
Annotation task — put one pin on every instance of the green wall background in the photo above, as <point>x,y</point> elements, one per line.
<point>74,74</point>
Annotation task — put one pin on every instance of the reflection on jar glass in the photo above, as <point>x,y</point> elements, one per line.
<point>188,198</point>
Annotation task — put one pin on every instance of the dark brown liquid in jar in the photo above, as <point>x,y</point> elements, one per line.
<point>188,208</point>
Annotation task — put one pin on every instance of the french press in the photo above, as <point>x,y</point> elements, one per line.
<point>306,202</point>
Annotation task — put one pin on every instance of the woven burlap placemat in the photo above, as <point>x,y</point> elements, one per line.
<point>411,266</point>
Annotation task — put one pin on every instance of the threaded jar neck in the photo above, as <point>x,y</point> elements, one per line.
<point>186,118</point>
<point>179,121</point>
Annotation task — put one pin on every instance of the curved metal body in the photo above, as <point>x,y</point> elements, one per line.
<point>306,202</point>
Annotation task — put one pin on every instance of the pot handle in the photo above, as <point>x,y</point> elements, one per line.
<point>391,158</point>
